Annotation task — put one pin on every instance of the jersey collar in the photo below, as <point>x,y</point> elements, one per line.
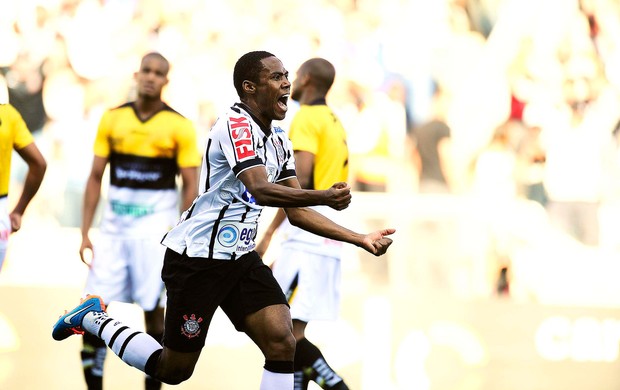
<point>265,129</point>
<point>318,102</point>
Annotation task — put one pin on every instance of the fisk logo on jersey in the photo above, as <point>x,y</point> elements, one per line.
<point>242,138</point>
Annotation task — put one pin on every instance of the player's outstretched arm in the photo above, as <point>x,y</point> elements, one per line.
<point>376,242</point>
<point>290,193</point>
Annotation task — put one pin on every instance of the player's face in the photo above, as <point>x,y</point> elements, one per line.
<point>152,77</point>
<point>273,90</point>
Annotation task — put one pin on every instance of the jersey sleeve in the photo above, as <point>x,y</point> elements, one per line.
<point>303,132</point>
<point>102,144</point>
<point>22,136</point>
<point>237,142</point>
<point>187,147</point>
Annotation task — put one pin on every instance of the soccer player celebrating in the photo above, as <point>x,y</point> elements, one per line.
<point>210,260</point>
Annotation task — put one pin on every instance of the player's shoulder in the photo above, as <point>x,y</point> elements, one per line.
<point>9,109</point>
<point>314,113</point>
<point>171,111</point>
<point>235,118</point>
<point>124,106</point>
<point>117,112</point>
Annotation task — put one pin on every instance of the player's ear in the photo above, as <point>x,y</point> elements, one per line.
<point>249,87</point>
<point>305,79</point>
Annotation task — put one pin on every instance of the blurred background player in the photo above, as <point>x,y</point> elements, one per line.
<point>14,135</point>
<point>147,144</point>
<point>308,268</point>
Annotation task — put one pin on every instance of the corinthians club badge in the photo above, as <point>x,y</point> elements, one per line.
<point>191,327</point>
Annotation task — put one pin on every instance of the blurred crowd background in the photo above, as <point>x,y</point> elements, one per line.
<point>500,101</point>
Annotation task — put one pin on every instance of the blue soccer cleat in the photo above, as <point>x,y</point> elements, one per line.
<point>70,323</point>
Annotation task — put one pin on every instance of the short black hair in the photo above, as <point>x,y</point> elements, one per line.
<point>248,67</point>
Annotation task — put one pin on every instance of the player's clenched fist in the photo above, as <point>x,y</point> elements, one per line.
<point>339,196</point>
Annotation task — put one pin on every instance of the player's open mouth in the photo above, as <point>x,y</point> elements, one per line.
<point>283,101</point>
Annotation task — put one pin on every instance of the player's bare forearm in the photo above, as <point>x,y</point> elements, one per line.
<point>376,242</point>
<point>91,199</point>
<point>92,193</point>
<point>36,170</point>
<point>289,193</point>
<point>189,189</point>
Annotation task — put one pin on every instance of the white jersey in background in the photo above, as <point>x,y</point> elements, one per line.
<point>221,223</point>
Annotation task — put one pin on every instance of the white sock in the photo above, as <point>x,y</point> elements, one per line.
<point>132,346</point>
<point>276,381</point>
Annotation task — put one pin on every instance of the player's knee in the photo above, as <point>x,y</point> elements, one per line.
<point>281,346</point>
<point>168,370</point>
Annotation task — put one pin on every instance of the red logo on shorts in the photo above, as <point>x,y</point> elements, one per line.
<point>191,327</point>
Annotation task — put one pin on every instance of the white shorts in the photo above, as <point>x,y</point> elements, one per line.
<point>127,270</point>
<point>310,282</point>
<point>5,229</point>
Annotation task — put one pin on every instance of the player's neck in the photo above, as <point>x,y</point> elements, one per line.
<point>254,111</point>
<point>146,107</point>
<point>310,97</point>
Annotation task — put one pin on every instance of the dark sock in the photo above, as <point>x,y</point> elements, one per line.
<point>151,383</point>
<point>93,354</point>
<point>279,366</point>
<point>310,361</point>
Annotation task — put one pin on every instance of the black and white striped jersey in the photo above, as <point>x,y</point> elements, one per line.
<point>221,223</point>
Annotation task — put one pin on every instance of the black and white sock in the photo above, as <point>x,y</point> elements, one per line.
<point>132,346</point>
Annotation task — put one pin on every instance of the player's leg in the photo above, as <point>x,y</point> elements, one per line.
<point>93,356</point>
<point>311,284</point>
<point>310,364</point>
<point>258,307</point>
<point>136,348</point>
<point>270,329</point>
<point>175,362</point>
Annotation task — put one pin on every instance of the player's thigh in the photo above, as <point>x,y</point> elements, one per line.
<point>146,257</point>
<point>255,289</point>
<point>195,287</point>
<point>108,274</point>
<point>271,329</point>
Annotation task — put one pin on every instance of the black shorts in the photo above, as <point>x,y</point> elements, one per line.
<point>197,286</point>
